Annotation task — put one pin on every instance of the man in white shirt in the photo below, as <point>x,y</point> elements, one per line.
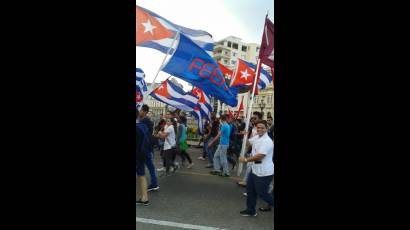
<point>262,170</point>
<point>169,144</point>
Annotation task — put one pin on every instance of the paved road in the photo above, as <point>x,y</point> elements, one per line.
<point>194,199</point>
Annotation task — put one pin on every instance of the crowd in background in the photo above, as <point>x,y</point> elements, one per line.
<point>222,138</point>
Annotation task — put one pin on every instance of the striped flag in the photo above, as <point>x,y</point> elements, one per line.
<point>154,31</point>
<point>173,95</point>
<point>204,103</point>
<point>141,87</point>
<point>197,114</point>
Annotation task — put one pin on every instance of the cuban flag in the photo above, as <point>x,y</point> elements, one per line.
<point>264,78</point>
<point>192,64</point>
<point>154,31</point>
<point>141,87</point>
<point>204,103</point>
<point>173,95</point>
<point>197,114</point>
<point>245,75</point>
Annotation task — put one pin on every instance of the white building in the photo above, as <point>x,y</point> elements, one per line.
<point>228,50</point>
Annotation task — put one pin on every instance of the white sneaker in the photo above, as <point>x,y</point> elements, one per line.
<point>161,169</point>
<point>190,165</point>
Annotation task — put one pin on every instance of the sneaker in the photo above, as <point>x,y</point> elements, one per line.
<point>201,158</point>
<point>145,203</point>
<point>190,166</point>
<point>245,194</point>
<point>224,175</point>
<point>247,213</point>
<point>161,169</point>
<point>215,172</point>
<point>174,169</point>
<point>241,183</point>
<point>265,209</point>
<point>153,188</point>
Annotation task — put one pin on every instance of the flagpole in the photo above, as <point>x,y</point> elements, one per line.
<point>158,85</point>
<point>163,61</point>
<point>248,117</point>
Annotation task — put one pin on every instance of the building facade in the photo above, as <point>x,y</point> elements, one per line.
<point>228,50</point>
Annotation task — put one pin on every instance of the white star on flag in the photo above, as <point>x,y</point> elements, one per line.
<point>245,74</point>
<point>148,27</point>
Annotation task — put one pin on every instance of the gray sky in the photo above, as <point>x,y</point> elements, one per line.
<point>221,18</point>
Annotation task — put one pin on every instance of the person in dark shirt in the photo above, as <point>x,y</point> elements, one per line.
<point>149,163</point>
<point>140,168</point>
<point>212,135</point>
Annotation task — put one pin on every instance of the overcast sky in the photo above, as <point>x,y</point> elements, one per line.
<point>221,18</point>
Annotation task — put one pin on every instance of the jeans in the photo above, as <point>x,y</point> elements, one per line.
<point>205,153</point>
<point>210,151</point>
<point>220,159</point>
<point>151,168</point>
<point>257,186</point>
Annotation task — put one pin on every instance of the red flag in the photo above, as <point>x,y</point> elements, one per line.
<point>244,74</point>
<point>225,71</point>
<point>266,53</point>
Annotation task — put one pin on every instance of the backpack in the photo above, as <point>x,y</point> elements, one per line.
<point>144,149</point>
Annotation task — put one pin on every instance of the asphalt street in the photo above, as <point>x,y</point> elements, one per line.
<point>194,199</point>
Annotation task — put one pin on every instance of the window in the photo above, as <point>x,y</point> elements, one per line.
<point>269,102</point>
<point>226,53</point>
<point>235,46</point>
<point>234,54</point>
<point>233,62</point>
<point>225,61</point>
<point>244,48</point>
<point>229,44</point>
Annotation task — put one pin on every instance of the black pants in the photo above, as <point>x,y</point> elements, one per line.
<point>168,155</point>
<point>177,152</point>
<point>185,154</point>
<point>257,186</point>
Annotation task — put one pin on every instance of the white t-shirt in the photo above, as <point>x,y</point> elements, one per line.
<point>263,145</point>
<point>170,139</point>
<point>254,132</point>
